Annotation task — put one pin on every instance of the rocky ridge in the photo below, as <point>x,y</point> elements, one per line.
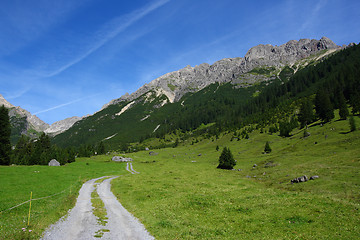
<point>191,79</point>
<point>61,126</point>
<point>25,122</point>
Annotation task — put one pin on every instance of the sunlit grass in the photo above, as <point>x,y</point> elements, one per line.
<point>181,195</point>
<point>18,181</point>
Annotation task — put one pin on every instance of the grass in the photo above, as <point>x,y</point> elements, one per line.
<point>181,195</point>
<point>99,209</point>
<point>18,181</point>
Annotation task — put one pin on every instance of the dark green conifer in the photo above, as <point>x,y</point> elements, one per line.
<point>5,131</point>
<point>226,159</point>
<point>343,109</point>
<point>267,147</point>
<point>306,115</point>
<point>323,106</point>
<point>352,124</point>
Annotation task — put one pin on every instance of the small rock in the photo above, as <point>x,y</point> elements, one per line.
<point>199,154</point>
<point>255,165</point>
<point>151,153</point>
<point>314,177</point>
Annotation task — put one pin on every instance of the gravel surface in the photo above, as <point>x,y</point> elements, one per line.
<point>81,223</point>
<point>121,223</point>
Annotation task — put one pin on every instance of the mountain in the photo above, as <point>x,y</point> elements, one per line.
<point>203,94</point>
<point>61,126</point>
<point>23,122</point>
<point>192,79</point>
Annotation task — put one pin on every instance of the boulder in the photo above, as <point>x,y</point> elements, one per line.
<point>54,162</point>
<point>300,179</point>
<point>121,159</point>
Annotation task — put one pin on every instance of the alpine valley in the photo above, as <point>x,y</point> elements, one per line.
<point>262,88</point>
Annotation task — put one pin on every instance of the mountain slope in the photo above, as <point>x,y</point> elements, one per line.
<point>192,79</point>
<point>186,98</point>
<point>23,122</point>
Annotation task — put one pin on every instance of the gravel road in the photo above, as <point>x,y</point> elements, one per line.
<point>81,223</point>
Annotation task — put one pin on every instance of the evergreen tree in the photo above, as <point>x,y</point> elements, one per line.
<point>355,102</point>
<point>306,114</point>
<point>323,106</point>
<point>267,148</point>
<point>5,131</point>
<point>285,129</point>
<point>101,148</point>
<point>343,110</point>
<point>352,124</point>
<point>226,159</point>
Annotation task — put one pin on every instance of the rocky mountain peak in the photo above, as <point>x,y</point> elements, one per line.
<point>191,79</point>
<point>5,103</point>
<point>62,125</point>
<point>289,52</point>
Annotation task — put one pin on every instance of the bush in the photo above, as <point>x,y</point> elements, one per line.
<point>226,159</point>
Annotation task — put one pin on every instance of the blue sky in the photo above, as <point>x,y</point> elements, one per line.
<point>63,58</point>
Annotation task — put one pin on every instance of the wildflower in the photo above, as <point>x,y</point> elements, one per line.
<point>23,229</point>
<point>30,230</point>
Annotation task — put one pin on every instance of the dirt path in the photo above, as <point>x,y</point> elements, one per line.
<point>81,223</point>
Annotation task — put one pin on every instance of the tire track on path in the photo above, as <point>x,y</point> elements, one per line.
<point>81,224</point>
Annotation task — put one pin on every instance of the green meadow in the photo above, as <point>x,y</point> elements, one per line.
<point>180,194</point>
<point>59,186</point>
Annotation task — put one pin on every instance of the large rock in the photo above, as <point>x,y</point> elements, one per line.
<point>300,179</point>
<point>54,162</point>
<point>121,159</point>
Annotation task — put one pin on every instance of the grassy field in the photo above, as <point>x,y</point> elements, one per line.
<point>180,194</point>
<point>18,181</point>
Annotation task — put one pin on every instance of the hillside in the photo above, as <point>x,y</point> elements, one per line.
<point>180,193</point>
<point>255,93</point>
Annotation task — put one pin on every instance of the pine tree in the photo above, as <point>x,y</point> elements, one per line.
<point>5,131</point>
<point>306,115</point>
<point>343,110</point>
<point>101,148</point>
<point>267,148</point>
<point>226,159</point>
<point>323,106</point>
<point>352,124</point>
<point>355,102</point>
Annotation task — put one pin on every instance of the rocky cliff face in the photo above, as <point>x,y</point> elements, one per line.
<point>17,115</point>
<point>191,79</point>
<point>61,126</point>
<point>23,122</point>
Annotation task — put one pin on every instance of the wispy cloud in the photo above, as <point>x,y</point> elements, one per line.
<point>18,93</point>
<point>109,31</point>
<point>66,104</point>
<point>312,17</point>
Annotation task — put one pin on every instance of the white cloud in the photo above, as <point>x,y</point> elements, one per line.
<point>109,31</point>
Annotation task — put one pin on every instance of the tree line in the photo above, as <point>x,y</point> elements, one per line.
<point>38,151</point>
